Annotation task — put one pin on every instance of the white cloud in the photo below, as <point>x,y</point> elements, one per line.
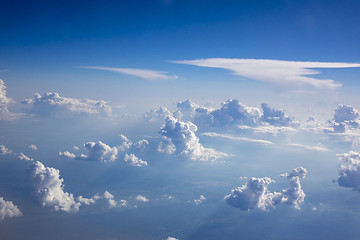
<point>4,100</point>
<point>141,198</point>
<point>33,147</point>
<point>200,200</point>
<point>112,203</point>
<point>275,72</point>
<point>146,74</point>
<point>170,238</point>
<point>157,114</point>
<point>314,148</point>
<point>226,136</point>
<point>349,170</point>
<point>4,150</point>
<point>134,160</point>
<point>85,201</point>
<point>22,156</point>
<point>179,138</point>
<point>124,144</point>
<point>8,209</point>
<point>67,154</point>
<point>95,151</point>
<point>276,117</point>
<point>49,189</point>
<point>142,145</point>
<point>254,194</point>
<point>52,102</point>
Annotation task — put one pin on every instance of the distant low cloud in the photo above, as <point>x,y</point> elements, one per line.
<point>200,200</point>
<point>254,194</point>
<point>146,74</point>
<point>53,102</point>
<point>349,170</point>
<point>179,138</point>
<point>4,100</point>
<point>4,150</point>
<point>245,139</point>
<point>8,209</point>
<point>22,156</point>
<point>33,147</point>
<point>276,72</point>
<point>141,198</point>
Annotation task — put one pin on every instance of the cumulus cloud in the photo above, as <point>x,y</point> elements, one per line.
<point>134,160</point>
<point>179,138</point>
<point>146,74</point>
<point>4,150</point>
<point>276,72</point>
<point>33,147</point>
<point>52,102</point>
<point>157,114</point>
<point>141,198</point>
<point>254,194</point>
<point>349,170</point>
<point>49,189</point>
<point>8,209</point>
<point>67,154</point>
<point>85,201</point>
<point>200,200</point>
<point>276,117</point>
<point>22,156</point>
<point>170,238</point>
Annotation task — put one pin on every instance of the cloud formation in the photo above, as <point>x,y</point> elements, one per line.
<point>22,156</point>
<point>146,74</point>
<point>134,160</point>
<point>141,198</point>
<point>200,200</point>
<point>4,150</point>
<point>179,138</point>
<point>53,102</point>
<point>276,72</point>
<point>349,170</point>
<point>254,194</point>
<point>33,147</point>
<point>49,189</point>
<point>3,99</point>
<point>8,209</point>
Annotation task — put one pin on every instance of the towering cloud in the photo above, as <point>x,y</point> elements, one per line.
<point>179,138</point>
<point>3,99</point>
<point>49,189</point>
<point>349,170</point>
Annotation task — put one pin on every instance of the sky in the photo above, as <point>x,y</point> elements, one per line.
<point>169,119</point>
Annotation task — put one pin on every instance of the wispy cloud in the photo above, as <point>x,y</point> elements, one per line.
<point>315,148</point>
<point>146,74</point>
<point>276,72</point>
<point>213,134</point>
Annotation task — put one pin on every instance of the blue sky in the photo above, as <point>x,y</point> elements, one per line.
<point>177,119</point>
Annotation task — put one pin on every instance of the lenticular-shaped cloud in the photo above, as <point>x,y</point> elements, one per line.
<point>8,209</point>
<point>146,74</point>
<point>49,189</point>
<point>179,138</point>
<point>52,102</point>
<point>276,72</point>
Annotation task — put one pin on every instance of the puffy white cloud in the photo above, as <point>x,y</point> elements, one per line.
<point>85,201</point>
<point>296,172</point>
<point>4,150</point>
<point>22,156</point>
<point>3,99</point>
<point>142,145</point>
<point>170,238</point>
<point>200,200</point>
<point>33,147</point>
<point>124,144</point>
<point>49,189</point>
<point>134,160</point>
<point>179,138</point>
<point>52,102</point>
<point>349,170</point>
<point>276,72</point>
<point>8,209</point>
<point>141,198</point>
<point>254,194</point>
<point>294,194</point>
<point>346,113</point>
<point>157,114</point>
<point>146,74</point>
<point>67,154</point>
<point>276,117</point>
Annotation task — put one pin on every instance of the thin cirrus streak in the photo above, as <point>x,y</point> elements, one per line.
<point>213,134</point>
<point>146,74</point>
<point>276,72</point>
